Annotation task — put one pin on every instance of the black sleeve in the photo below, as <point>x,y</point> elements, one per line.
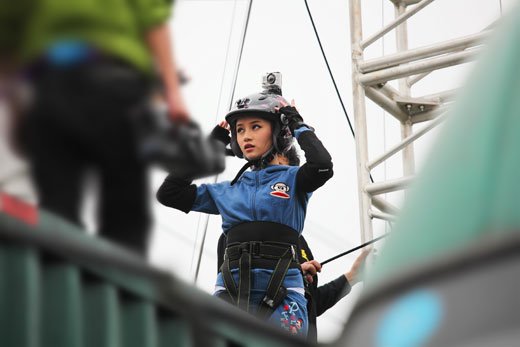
<point>178,193</point>
<point>329,294</point>
<point>318,168</point>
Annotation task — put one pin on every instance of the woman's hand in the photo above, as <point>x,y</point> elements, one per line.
<point>353,275</point>
<point>224,125</point>
<point>309,269</point>
<point>177,110</point>
<point>291,114</point>
<point>221,133</point>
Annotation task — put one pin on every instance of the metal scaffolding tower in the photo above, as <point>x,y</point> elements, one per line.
<point>408,66</point>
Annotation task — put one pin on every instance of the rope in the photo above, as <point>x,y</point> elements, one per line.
<point>353,249</point>
<point>331,75</point>
<point>206,221</point>
<point>235,78</point>
<point>330,71</point>
<point>225,61</point>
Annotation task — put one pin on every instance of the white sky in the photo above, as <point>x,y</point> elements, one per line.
<point>280,38</point>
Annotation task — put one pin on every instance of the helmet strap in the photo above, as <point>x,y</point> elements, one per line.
<point>256,164</point>
<point>265,159</point>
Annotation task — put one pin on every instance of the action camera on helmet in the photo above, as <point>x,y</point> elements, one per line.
<point>272,82</point>
<point>264,105</point>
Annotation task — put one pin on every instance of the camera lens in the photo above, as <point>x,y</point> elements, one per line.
<point>271,78</point>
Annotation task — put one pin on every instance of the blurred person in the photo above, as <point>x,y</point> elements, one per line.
<point>262,210</point>
<point>92,65</point>
<point>14,177</point>
<point>12,22</point>
<point>320,299</point>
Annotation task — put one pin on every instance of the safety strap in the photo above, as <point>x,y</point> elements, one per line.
<point>241,171</point>
<point>258,163</point>
<point>275,292</point>
<point>244,281</point>
<point>240,296</point>
<point>268,251</point>
<point>229,282</point>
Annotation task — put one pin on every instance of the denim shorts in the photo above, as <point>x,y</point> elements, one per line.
<point>291,315</point>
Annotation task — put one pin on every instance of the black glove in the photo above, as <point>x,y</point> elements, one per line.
<point>221,134</point>
<point>293,118</point>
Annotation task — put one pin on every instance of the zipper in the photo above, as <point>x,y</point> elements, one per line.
<point>254,195</point>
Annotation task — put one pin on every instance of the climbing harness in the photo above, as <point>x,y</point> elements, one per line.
<point>264,245</point>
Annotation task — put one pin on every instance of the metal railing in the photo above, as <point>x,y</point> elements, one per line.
<point>62,287</point>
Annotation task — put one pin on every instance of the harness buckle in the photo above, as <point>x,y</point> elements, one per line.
<point>276,298</point>
<point>244,247</point>
<point>268,301</point>
<point>293,250</point>
<point>251,247</point>
<point>254,247</point>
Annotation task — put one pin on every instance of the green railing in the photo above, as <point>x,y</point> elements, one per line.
<point>62,287</point>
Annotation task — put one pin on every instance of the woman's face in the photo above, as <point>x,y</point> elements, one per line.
<point>254,136</point>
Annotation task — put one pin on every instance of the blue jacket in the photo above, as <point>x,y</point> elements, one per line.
<point>267,195</point>
<point>275,194</point>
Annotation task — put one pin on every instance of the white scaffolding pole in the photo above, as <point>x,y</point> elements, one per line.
<point>400,19</point>
<point>404,89</point>
<point>406,141</point>
<point>380,76</point>
<point>408,66</point>
<point>360,121</point>
<point>384,205</point>
<point>388,186</point>
<point>411,55</point>
<point>381,215</point>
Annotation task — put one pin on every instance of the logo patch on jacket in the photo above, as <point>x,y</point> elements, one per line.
<point>280,190</point>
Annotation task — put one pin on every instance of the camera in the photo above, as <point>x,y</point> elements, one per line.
<point>272,82</point>
<point>178,148</point>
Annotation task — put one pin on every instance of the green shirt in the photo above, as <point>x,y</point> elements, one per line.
<point>13,16</point>
<point>115,27</point>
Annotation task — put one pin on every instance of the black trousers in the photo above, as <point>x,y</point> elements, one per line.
<point>82,120</point>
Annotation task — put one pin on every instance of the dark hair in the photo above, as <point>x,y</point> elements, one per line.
<point>292,156</point>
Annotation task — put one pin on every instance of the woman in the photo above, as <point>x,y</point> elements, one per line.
<point>263,210</point>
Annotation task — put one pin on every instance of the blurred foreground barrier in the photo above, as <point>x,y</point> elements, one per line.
<point>62,287</point>
<point>470,298</point>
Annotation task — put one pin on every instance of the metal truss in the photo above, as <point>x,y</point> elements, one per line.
<point>407,66</point>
